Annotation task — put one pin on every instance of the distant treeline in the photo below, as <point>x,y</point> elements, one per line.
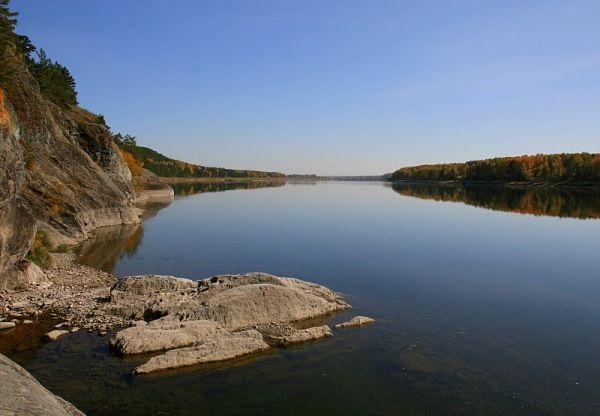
<point>574,167</point>
<point>164,166</point>
<point>547,201</point>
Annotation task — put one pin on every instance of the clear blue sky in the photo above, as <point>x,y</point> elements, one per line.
<point>333,87</point>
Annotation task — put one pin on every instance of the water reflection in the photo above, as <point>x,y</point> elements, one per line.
<point>192,188</point>
<point>540,202</point>
<point>110,244</point>
<point>477,312</point>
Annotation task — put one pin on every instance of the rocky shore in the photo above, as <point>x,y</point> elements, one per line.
<point>72,292</point>
<point>216,319</point>
<point>182,322</point>
<point>190,322</point>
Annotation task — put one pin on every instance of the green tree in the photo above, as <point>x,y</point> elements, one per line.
<point>54,79</point>
<point>8,21</point>
<point>126,142</point>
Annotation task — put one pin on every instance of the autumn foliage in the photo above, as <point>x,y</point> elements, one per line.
<point>5,122</point>
<point>575,167</point>
<point>132,163</point>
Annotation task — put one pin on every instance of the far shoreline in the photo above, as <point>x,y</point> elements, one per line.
<point>206,179</point>
<point>584,186</point>
<point>196,179</point>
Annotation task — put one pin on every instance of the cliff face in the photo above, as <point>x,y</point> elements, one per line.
<point>59,170</point>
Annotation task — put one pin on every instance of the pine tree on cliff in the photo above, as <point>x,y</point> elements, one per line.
<point>8,38</point>
<point>55,80</point>
<point>7,25</point>
<point>8,22</point>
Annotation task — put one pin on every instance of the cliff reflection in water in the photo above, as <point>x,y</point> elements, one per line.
<point>535,201</point>
<point>193,188</point>
<point>109,244</point>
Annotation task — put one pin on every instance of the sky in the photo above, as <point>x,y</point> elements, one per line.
<point>332,87</point>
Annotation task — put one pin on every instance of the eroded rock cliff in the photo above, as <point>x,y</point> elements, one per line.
<point>59,170</point>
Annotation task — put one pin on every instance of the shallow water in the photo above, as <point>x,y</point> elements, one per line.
<point>485,306</point>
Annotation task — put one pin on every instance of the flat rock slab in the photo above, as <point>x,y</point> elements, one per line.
<point>256,304</point>
<point>21,394</point>
<point>6,325</point>
<point>234,301</point>
<point>161,335</point>
<point>57,333</point>
<point>219,348</point>
<point>302,335</point>
<point>356,321</point>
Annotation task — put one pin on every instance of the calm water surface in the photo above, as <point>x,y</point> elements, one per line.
<point>486,301</point>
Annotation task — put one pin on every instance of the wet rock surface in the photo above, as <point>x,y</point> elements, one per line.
<point>7,325</point>
<point>356,321</point>
<point>296,336</point>
<point>21,394</point>
<point>54,335</point>
<point>218,348</point>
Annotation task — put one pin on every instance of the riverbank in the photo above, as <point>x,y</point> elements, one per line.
<point>175,180</point>
<point>187,322</point>
<point>592,186</point>
<point>72,294</point>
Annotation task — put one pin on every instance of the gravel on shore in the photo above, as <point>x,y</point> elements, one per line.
<point>74,294</point>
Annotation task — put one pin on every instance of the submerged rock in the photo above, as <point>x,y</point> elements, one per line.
<point>356,321</point>
<point>302,335</point>
<point>219,348</point>
<point>55,334</point>
<point>21,394</point>
<point>6,325</point>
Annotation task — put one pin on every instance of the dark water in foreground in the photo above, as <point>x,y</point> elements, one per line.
<point>490,311</point>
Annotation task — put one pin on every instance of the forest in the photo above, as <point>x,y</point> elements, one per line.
<point>555,168</point>
<point>164,166</point>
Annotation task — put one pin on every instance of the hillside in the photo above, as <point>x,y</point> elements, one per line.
<point>164,166</point>
<point>552,169</point>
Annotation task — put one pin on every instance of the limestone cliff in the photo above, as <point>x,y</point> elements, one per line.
<point>59,170</point>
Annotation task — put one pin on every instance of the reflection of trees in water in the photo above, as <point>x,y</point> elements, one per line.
<point>192,188</point>
<point>550,202</point>
<point>109,244</point>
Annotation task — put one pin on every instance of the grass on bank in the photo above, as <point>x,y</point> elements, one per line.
<point>40,250</point>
